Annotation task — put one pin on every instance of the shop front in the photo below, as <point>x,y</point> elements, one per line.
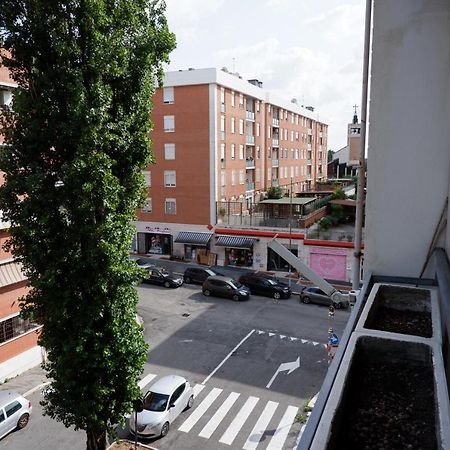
<point>194,243</point>
<point>238,250</point>
<point>154,243</point>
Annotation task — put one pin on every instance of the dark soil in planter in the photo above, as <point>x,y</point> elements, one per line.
<point>414,323</point>
<point>389,407</point>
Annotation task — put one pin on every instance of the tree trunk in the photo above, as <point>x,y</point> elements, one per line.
<point>95,440</point>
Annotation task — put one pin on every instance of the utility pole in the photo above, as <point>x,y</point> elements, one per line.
<point>290,227</point>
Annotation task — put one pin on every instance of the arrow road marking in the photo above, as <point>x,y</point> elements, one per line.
<point>289,366</point>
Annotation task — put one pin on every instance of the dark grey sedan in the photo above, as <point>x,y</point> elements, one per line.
<point>313,294</point>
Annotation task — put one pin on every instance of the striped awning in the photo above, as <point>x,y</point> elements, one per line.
<point>10,273</point>
<point>193,237</point>
<point>235,242</point>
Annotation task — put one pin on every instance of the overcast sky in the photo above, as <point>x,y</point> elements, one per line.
<point>305,49</point>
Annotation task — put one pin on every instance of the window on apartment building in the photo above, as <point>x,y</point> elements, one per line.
<point>296,135</point>
<point>292,171</point>
<point>258,126</point>
<point>5,97</point>
<point>170,178</point>
<point>292,153</point>
<point>233,177</point>
<point>292,136</point>
<point>241,100</point>
<point>269,108</point>
<point>241,176</point>
<point>296,153</point>
<point>286,153</point>
<point>258,175</point>
<point>169,151</point>
<point>241,126</point>
<point>147,177</point>
<point>222,178</point>
<point>233,151</point>
<point>285,115</point>
<point>296,171</point>
<point>222,95</point>
<point>168,95</point>
<point>222,128</point>
<point>14,326</point>
<point>292,118</point>
<point>286,134</point>
<point>269,152</point>
<point>222,152</point>
<point>147,206</point>
<point>269,131</point>
<point>233,125</point>
<point>296,119</point>
<point>269,173</point>
<point>241,152</point>
<point>169,124</point>
<point>170,206</point>
<point>257,105</point>
<point>258,152</point>
<point>233,99</point>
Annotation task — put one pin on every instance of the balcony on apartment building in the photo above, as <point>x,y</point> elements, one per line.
<point>250,186</point>
<point>249,139</point>
<point>250,115</point>
<point>275,182</point>
<point>275,122</point>
<point>250,162</point>
<point>275,162</point>
<point>310,131</point>
<point>275,142</point>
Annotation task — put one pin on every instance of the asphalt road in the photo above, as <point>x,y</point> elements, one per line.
<point>232,352</point>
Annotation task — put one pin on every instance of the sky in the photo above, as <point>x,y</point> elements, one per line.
<point>310,50</point>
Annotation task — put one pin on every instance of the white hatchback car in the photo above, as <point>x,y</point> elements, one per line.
<point>163,403</point>
<point>15,412</point>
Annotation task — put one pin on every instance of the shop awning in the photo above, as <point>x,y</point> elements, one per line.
<point>235,242</point>
<point>193,237</point>
<point>10,273</point>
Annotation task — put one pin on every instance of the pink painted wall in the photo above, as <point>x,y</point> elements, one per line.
<point>329,262</point>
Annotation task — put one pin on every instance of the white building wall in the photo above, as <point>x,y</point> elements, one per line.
<point>409,133</point>
<point>21,363</point>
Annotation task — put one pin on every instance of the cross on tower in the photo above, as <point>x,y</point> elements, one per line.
<point>356,107</point>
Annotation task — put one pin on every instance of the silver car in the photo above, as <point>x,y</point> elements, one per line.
<point>15,412</point>
<point>163,403</point>
<point>313,294</point>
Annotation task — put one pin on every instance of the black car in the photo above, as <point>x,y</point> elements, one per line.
<point>225,287</point>
<point>265,285</point>
<point>198,274</point>
<point>158,275</point>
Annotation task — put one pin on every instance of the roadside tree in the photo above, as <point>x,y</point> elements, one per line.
<point>77,140</point>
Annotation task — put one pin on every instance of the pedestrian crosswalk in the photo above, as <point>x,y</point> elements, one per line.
<point>236,420</point>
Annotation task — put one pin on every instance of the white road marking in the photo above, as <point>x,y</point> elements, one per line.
<point>215,420</point>
<point>226,358</point>
<point>271,334</point>
<point>197,389</point>
<point>261,425</point>
<point>238,422</point>
<point>146,380</point>
<point>200,410</point>
<point>282,431</point>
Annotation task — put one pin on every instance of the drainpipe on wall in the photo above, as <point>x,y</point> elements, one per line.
<point>362,166</point>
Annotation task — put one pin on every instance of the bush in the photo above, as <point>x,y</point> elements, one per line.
<point>275,192</point>
<point>339,194</point>
<point>325,223</point>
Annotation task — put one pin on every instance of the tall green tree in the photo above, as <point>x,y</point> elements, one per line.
<point>77,141</point>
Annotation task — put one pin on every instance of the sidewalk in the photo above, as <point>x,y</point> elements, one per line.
<point>27,382</point>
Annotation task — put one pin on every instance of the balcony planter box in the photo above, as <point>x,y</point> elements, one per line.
<point>388,393</point>
<point>394,309</point>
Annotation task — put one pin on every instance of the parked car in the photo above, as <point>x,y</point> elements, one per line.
<point>15,412</point>
<point>198,274</point>
<point>160,276</point>
<point>314,294</point>
<point>141,262</point>
<point>162,404</point>
<point>225,287</point>
<point>265,285</point>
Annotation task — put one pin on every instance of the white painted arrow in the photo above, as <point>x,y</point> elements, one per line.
<point>289,366</point>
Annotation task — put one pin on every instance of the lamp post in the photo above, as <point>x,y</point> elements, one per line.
<point>290,228</point>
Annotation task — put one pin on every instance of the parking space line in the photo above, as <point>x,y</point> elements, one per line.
<point>200,410</point>
<point>226,358</point>
<point>238,422</point>
<point>261,425</point>
<point>282,431</point>
<point>215,420</point>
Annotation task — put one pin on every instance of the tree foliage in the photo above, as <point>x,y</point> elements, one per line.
<point>77,141</point>
<point>274,192</point>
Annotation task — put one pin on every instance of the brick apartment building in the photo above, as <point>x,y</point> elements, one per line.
<point>219,138</point>
<point>18,338</point>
